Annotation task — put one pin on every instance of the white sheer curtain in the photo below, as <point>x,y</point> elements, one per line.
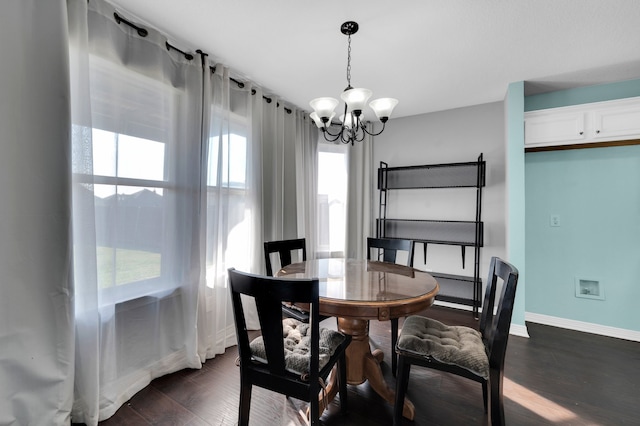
<point>170,182</point>
<point>306,144</point>
<point>360,215</point>
<point>137,169</point>
<point>233,218</point>
<point>36,300</point>
<point>289,174</point>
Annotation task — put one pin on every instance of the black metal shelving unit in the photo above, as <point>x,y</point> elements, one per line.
<point>458,289</point>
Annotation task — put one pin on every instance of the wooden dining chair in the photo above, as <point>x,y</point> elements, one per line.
<point>285,250</point>
<point>290,357</point>
<point>464,351</point>
<point>388,248</point>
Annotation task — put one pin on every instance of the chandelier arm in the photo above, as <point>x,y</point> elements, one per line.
<point>355,138</point>
<point>349,135</point>
<point>332,134</point>
<point>358,131</point>
<point>333,137</point>
<point>373,133</point>
<point>343,139</point>
<point>326,130</point>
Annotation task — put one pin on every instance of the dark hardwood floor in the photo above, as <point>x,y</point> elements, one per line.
<point>556,377</point>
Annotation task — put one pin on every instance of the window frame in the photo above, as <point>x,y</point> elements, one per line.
<point>328,147</point>
<point>114,73</point>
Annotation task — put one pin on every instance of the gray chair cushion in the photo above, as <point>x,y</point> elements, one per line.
<point>455,345</point>
<point>297,350</point>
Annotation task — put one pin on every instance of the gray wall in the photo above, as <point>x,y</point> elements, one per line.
<point>457,135</point>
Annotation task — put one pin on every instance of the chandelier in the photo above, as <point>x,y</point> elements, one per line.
<point>353,127</point>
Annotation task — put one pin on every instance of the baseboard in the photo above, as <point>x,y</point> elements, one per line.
<point>454,306</point>
<point>515,329</point>
<point>519,330</point>
<point>586,327</point>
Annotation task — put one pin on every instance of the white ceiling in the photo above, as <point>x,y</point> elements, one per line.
<point>429,54</point>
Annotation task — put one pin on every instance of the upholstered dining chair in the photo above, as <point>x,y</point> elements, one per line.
<point>290,357</point>
<point>464,351</point>
<point>389,248</point>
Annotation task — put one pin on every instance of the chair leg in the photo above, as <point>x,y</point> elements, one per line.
<point>342,383</point>
<point>245,403</point>
<point>402,380</point>
<point>394,339</point>
<point>485,396</point>
<point>497,404</point>
<point>314,406</point>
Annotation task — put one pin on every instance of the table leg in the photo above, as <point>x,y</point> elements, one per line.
<point>363,365</point>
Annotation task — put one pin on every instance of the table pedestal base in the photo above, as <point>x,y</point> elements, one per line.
<point>362,365</point>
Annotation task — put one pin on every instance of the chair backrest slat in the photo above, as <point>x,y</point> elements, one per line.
<point>390,247</point>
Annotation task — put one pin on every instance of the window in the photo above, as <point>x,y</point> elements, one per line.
<point>128,207</point>
<point>228,160</point>
<point>333,163</point>
<point>229,212</point>
<point>134,191</point>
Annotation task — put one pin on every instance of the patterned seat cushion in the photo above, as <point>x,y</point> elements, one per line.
<point>297,350</point>
<point>455,345</point>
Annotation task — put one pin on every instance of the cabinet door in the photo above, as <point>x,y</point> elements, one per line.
<point>554,128</point>
<point>617,121</point>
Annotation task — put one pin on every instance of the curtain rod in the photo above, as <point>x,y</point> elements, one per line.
<point>188,56</point>
<point>253,91</point>
<point>142,32</point>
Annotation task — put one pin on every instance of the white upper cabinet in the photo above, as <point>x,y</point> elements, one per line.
<point>587,123</point>
<point>617,121</point>
<point>554,128</point>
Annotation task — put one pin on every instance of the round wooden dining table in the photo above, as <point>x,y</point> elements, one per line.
<point>357,291</point>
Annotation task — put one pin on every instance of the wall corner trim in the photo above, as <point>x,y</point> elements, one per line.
<point>519,330</point>
<point>586,327</point>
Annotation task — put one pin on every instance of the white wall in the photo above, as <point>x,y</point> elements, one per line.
<point>457,135</point>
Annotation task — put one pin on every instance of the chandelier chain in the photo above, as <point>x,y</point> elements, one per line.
<point>349,62</point>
